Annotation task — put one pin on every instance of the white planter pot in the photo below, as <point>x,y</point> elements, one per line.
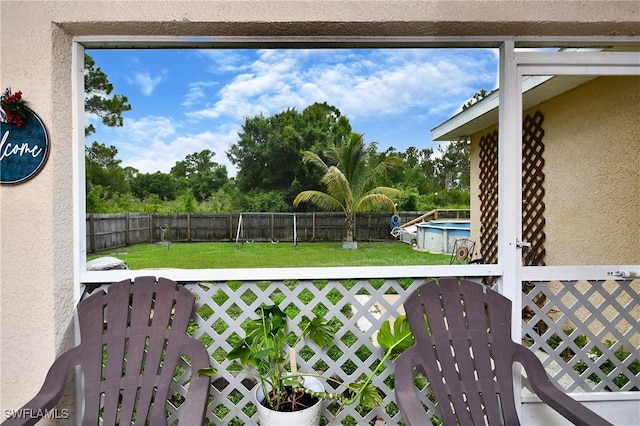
<point>307,417</point>
<point>349,245</point>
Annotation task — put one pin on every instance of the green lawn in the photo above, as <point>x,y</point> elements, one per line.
<point>268,255</point>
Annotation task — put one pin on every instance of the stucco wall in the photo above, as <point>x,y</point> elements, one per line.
<point>592,154</point>
<point>37,278</point>
<point>592,173</point>
<point>37,272</point>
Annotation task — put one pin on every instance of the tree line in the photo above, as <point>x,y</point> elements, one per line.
<point>268,156</point>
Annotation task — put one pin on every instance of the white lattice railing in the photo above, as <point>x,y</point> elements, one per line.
<point>600,351</point>
<point>586,332</point>
<point>352,306</point>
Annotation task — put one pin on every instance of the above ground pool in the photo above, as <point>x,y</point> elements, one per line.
<point>439,236</point>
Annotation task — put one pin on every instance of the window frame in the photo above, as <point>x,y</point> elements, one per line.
<point>512,65</point>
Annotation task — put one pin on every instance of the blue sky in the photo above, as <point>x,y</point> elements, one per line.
<point>187,100</point>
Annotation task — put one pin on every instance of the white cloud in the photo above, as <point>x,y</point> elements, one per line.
<point>265,89</point>
<point>145,82</point>
<point>154,144</point>
<point>197,92</point>
<point>223,60</point>
<point>362,85</point>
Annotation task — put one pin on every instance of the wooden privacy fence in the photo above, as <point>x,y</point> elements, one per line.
<point>113,230</point>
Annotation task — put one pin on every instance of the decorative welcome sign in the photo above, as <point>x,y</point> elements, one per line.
<point>24,146</point>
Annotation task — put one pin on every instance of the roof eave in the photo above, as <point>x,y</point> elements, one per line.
<point>484,113</point>
<point>479,116</point>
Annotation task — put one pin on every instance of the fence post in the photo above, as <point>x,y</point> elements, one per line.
<point>151,228</point>
<point>92,233</point>
<point>127,229</point>
<point>189,226</point>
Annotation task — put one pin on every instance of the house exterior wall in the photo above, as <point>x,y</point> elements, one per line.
<point>592,153</point>
<point>37,230</point>
<point>592,173</point>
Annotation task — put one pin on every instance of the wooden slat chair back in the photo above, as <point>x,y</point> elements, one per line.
<point>132,339</point>
<point>463,347</point>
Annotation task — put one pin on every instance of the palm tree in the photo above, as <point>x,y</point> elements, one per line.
<point>350,181</point>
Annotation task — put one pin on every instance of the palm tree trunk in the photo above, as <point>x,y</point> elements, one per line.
<point>350,220</point>
<point>349,235</point>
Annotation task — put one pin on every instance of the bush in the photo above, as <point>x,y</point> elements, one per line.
<point>453,199</point>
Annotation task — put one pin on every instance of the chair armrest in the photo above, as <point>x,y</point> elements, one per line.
<point>406,392</point>
<point>568,407</point>
<point>50,392</point>
<point>193,411</point>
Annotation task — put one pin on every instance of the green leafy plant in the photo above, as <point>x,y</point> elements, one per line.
<point>266,355</point>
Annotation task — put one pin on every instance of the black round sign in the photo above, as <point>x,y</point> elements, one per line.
<point>23,150</point>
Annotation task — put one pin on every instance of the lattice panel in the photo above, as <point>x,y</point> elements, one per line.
<point>586,333</point>
<point>351,306</point>
<point>533,206</point>
<point>489,197</point>
<point>597,312</point>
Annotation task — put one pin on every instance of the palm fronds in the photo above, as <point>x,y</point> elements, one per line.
<point>350,180</point>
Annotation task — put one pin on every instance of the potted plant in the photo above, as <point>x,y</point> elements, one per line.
<point>283,392</point>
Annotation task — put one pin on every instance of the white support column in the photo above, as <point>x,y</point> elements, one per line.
<point>510,175</point>
<point>79,210</point>
<point>510,190</point>
<point>80,242</point>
